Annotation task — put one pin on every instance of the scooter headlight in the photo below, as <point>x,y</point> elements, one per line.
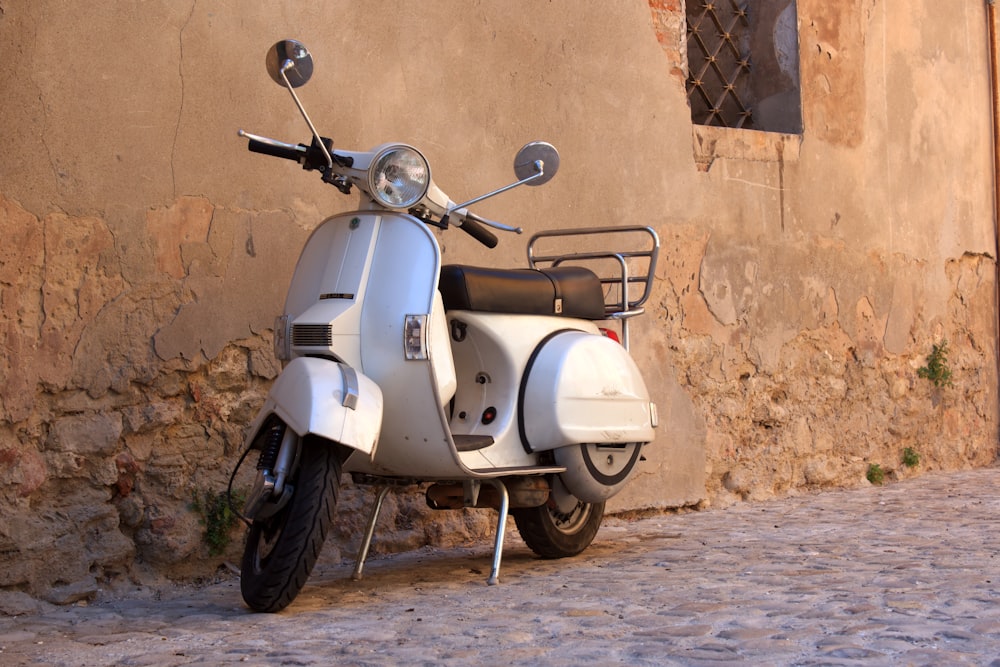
<point>399,176</point>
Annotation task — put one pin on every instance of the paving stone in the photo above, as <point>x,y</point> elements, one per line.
<point>902,574</point>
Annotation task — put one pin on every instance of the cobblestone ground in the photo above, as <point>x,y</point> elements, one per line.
<point>905,574</point>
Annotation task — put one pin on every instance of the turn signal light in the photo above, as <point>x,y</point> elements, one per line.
<point>415,337</point>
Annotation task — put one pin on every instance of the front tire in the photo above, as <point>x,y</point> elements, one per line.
<point>564,526</point>
<point>281,550</point>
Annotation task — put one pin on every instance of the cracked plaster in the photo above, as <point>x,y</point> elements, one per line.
<point>802,280</point>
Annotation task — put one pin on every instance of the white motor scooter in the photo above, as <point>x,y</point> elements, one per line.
<point>495,388</point>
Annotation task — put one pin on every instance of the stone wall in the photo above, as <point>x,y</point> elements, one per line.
<point>803,279</point>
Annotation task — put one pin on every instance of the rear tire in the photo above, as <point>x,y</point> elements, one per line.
<point>281,550</point>
<point>564,526</point>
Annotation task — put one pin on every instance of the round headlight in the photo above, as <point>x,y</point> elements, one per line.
<point>399,176</point>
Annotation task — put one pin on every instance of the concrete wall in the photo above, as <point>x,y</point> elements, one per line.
<point>803,278</point>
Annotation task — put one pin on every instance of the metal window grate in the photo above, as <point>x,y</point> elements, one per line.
<point>718,41</point>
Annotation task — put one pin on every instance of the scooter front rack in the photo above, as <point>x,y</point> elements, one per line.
<point>640,249</point>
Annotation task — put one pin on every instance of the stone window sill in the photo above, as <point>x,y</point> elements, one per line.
<point>711,142</point>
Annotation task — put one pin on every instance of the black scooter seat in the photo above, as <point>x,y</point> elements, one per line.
<point>567,291</point>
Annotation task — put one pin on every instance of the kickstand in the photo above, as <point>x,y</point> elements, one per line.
<point>501,528</point>
<point>366,540</point>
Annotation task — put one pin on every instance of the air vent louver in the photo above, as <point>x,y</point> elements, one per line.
<point>311,335</point>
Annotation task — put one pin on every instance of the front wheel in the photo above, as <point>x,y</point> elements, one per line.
<point>282,549</point>
<point>563,526</point>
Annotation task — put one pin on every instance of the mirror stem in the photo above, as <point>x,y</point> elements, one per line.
<point>539,172</point>
<point>288,64</point>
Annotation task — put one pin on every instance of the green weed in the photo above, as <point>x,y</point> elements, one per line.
<point>217,517</point>
<point>937,370</point>
<point>875,474</point>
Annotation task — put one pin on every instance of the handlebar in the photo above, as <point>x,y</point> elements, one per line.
<point>310,157</point>
<point>287,153</point>
<point>470,225</point>
<point>266,146</point>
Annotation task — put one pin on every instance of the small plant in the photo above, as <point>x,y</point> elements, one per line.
<point>217,517</point>
<point>911,459</point>
<point>937,370</point>
<point>875,474</point>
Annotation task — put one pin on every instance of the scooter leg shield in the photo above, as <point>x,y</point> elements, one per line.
<point>327,399</point>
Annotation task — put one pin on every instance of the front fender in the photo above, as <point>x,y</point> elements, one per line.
<point>309,397</point>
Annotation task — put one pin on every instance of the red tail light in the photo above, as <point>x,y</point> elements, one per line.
<point>609,333</point>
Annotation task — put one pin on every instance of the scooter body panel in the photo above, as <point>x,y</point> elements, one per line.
<point>583,388</point>
<point>416,441</point>
<point>309,397</point>
<point>537,383</point>
<point>491,351</point>
<point>362,274</point>
<point>327,290</point>
<point>358,278</point>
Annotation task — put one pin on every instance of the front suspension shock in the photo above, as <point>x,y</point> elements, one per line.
<point>272,444</point>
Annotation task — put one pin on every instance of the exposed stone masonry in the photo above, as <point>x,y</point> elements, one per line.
<point>105,443</point>
<point>813,408</point>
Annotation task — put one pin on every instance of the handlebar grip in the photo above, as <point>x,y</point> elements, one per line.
<point>276,151</point>
<point>478,232</point>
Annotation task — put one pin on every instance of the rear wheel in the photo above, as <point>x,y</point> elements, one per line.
<point>563,526</point>
<point>281,550</point>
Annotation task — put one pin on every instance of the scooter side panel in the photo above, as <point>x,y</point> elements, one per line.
<point>309,397</point>
<point>332,264</point>
<point>327,289</point>
<point>491,352</point>
<point>584,389</point>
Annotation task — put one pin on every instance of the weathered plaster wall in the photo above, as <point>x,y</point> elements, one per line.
<point>801,284</point>
<point>822,271</point>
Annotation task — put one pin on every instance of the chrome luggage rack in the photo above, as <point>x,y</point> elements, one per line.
<point>623,273</point>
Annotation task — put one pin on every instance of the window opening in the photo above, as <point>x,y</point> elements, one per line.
<point>743,64</point>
